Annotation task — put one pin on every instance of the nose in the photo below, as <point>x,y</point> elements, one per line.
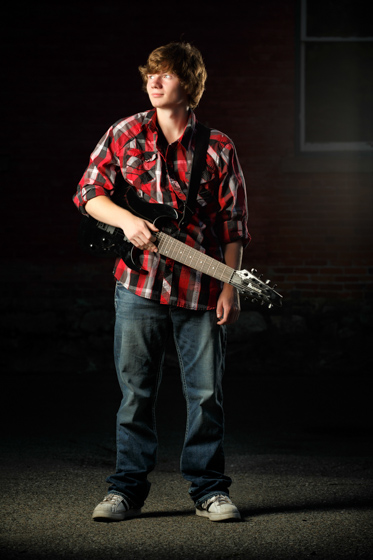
<point>156,81</point>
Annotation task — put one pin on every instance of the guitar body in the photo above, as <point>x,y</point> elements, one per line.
<point>157,214</point>
<point>92,232</point>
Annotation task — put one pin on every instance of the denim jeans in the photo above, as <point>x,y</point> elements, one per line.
<point>141,330</point>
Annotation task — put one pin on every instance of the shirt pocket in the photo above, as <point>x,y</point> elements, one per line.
<point>139,167</point>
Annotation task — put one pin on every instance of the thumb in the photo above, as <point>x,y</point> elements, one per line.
<point>219,310</point>
<point>151,226</point>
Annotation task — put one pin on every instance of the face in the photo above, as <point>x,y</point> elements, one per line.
<point>165,91</point>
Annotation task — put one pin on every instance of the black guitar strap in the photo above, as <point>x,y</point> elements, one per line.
<point>199,163</point>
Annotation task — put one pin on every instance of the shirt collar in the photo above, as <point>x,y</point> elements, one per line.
<point>186,139</point>
<point>150,120</point>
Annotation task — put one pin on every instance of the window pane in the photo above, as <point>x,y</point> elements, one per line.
<point>339,18</point>
<point>339,92</point>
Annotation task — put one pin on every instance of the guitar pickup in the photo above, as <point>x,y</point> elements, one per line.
<point>105,227</point>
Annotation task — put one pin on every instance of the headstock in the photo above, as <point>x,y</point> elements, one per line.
<point>252,287</point>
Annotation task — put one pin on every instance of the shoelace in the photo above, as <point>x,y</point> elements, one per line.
<point>113,499</point>
<point>219,498</point>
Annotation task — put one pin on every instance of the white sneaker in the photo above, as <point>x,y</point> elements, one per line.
<point>218,508</point>
<point>114,508</point>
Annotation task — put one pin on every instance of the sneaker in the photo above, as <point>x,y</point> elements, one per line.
<point>218,508</point>
<point>114,508</point>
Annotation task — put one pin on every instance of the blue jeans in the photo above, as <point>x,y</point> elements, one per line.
<point>141,330</point>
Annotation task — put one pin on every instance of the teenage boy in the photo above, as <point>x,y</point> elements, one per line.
<point>153,151</point>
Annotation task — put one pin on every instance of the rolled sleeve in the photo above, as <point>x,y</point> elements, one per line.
<point>99,177</point>
<point>233,213</point>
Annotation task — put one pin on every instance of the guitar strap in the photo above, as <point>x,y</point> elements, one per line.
<point>199,163</point>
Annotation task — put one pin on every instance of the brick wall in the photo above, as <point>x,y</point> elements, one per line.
<point>73,72</point>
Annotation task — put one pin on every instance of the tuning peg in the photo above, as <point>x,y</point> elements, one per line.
<point>274,286</point>
<point>254,271</point>
<point>268,282</point>
<point>270,305</point>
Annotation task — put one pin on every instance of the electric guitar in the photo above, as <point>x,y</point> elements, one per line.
<point>102,239</point>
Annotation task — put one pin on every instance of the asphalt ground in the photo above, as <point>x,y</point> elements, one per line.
<point>299,451</point>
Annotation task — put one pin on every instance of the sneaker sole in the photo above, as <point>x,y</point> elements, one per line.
<point>106,517</point>
<point>218,516</point>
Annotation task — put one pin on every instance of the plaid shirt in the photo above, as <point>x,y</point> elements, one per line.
<point>160,174</point>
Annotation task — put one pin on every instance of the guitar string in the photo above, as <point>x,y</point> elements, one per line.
<point>189,256</point>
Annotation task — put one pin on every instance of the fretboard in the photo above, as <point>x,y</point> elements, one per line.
<point>178,251</point>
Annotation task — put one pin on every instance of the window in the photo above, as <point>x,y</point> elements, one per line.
<point>336,76</point>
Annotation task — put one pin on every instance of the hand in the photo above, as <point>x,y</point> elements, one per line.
<point>139,233</point>
<point>228,307</point>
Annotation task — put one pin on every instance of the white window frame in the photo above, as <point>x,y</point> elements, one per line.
<point>325,146</point>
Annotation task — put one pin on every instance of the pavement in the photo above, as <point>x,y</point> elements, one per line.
<point>298,448</point>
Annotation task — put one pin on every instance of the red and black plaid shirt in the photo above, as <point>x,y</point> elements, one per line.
<point>160,173</point>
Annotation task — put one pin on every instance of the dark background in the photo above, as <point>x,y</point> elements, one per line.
<point>297,386</point>
<point>71,71</point>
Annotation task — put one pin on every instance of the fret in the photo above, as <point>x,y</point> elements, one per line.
<point>178,251</point>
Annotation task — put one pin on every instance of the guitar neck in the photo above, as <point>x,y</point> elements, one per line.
<point>110,241</point>
<point>178,251</point>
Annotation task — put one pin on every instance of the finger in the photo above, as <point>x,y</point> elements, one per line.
<point>144,245</point>
<point>231,317</point>
<point>220,317</point>
<point>150,247</point>
<point>151,226</point>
